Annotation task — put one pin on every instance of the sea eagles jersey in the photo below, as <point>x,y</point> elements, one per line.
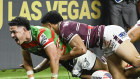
<point>91,35</point>
<point>42,37</point>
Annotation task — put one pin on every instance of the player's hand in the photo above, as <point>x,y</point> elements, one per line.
<point>35,71</point>
<point>21,65</point>
<point>60,51</point>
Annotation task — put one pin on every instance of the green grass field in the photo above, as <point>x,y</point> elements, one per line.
<point>21,74</point>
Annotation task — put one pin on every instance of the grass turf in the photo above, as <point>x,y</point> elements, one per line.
<point>21,74</point>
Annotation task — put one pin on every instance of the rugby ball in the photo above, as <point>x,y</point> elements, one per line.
<point>101,74</point>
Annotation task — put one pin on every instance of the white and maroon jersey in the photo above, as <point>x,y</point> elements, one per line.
<point>91,35</point>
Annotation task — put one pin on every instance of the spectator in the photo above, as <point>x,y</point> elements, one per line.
<point>125,9</point>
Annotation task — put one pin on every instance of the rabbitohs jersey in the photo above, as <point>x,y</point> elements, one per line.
<point>41,38</point>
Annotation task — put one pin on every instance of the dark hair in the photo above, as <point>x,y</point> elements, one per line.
<point>20,21</point>
<point>53,17</point>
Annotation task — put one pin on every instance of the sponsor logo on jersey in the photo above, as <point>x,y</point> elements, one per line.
<point>43,39</point>
<point>77,27</point>
<point>118,39</point>
<point>70,35</point>
<point>86,63</point>
<point>123,34</point>
<point>63,36</point>
<point>66,23</point>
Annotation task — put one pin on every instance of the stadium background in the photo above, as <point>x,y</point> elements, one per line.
<point>92,12</point>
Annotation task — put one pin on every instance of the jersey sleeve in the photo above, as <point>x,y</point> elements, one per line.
<point>68,35</point>
<point>44,38</point>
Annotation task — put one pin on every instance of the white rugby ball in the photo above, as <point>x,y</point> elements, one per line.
<point>101,74</point>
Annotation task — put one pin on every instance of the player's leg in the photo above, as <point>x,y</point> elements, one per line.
<point>99,65</point>
<point>119,42</point>
<point>132,72</point>
<point>128,52</point>
<point>115,66</point>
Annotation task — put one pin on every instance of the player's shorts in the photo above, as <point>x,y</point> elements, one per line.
<point>85,61</point>
<point>113,36</point>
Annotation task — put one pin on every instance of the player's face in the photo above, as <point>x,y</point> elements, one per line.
<point>18,34</point>
<point>52,26</point>
<point>47,25</point>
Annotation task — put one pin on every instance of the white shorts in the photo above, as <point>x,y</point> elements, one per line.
<point>85,61</point>
<point>113,36</point>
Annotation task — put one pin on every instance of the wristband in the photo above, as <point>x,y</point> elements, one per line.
<point>30,74</point>
<point>54,75</point>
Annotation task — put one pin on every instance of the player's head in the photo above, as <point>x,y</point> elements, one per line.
<point>52,17</point>
<point>20,22</point>
<point>19,28</point>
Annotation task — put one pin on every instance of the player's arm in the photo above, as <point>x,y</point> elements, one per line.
<point>78,48</point>
<point>43,65</point>
<point>27,62</point>
<point>52,53</point>
<point>46,40</point>
<point>134,34</point>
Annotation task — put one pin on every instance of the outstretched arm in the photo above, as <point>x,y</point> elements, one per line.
<point>78,48</point>
<point>52,53</point>
<point>43,65</point>
<point>28,64</point>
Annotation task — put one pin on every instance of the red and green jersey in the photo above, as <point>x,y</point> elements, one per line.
<point>42,37</point>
